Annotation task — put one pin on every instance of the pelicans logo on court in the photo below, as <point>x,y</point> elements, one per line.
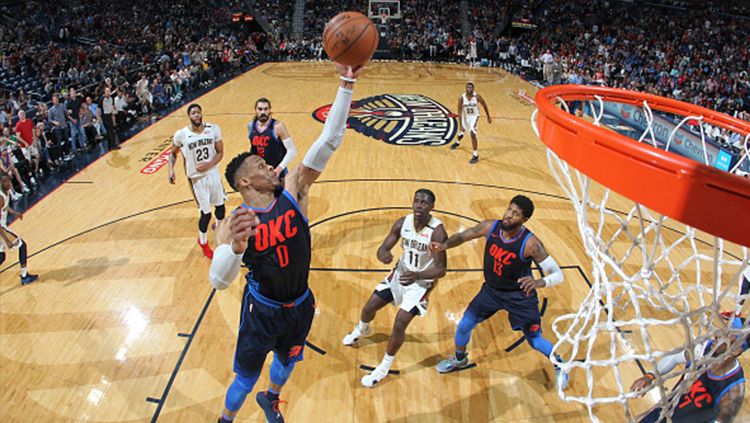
<point>403,119</point>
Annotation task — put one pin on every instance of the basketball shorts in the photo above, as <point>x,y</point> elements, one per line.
<point>469,123</point>
<point>267,325</point>
<point>523,311</point>
<point>15,240</point>
<point>208,191</point>
<point>410,298</point>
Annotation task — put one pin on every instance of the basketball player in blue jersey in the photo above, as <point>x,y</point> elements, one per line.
<point>509,251</point>
<point>270,234</point>
<point>715,396</point>
<point>270,139</point>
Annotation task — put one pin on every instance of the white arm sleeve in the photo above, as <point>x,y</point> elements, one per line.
<point>225,267</point>
<point>669,362</point>
<point>333,132</point>
<point>552,270</point>
<point>291,152</point>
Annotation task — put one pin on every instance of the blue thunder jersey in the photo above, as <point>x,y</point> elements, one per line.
<point>701,402</point>
<point>503,258</point>
<point>278,255</point>
<point>266,144</point>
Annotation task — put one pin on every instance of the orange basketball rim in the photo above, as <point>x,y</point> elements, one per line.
<point>693,193</point>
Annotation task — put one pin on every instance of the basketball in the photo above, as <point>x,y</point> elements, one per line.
<point>350,38</point>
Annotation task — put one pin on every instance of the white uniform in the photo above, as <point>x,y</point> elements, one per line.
<point>470,113</point>
<point>200,148</point>
<point>12,236</point>
<point>472,50</point>
<point>416,258</point>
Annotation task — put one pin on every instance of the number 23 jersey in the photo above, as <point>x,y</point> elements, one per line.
<point>197,148</point>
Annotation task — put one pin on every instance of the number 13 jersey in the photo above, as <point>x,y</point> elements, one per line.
<point>417,256</point>
<point>197,148</point>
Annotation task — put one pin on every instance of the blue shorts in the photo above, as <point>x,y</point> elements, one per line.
<point>523,311</point>
<point>267,325</point>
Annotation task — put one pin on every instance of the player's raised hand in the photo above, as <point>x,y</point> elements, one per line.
<point>242,226</point>
<point>349,71</point>
<point>385,256</point>
<point>437,247</point>
<point>529,284</point>
<point>641,383</point>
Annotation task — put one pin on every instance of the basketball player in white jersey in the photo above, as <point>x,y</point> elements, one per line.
<point>8,239</point>
<point>409,284</point>
<point>468,116</point>
<point>472,54</point>
<point>203,149</point>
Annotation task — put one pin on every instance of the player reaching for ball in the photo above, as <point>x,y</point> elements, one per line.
<point>270,234</point>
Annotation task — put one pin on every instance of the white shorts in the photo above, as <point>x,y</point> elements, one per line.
<point>410,298</point>
<point>469,123</point>
<point>209,191</point>
<point>12,237</point>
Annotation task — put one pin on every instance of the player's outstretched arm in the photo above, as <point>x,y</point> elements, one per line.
<point>480,230</point>
<point>302,176</point>
<point>665,365</point>
<point>291,150</point>
<point>384,251</point>
<point>486,110</point>
<point>553,273</point>
<point>730,404</point>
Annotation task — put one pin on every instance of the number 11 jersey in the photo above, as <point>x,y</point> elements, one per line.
<point>197,148</point>
<point>417,256</point>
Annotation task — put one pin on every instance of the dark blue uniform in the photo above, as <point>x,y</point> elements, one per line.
<point>277,304</point>
<point>267,144</point>
<point>504,264</point>
<point>700,404</point>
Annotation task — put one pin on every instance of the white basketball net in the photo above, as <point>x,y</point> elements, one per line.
<point>657,288</point>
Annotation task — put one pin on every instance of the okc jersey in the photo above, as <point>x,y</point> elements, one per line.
<point>700,403</point>
<point>471,107</point>
<point>266,143</point>
<point>416,256</point>
<point>197,148</point>
<point>503,258</point>
<point>278,255</point>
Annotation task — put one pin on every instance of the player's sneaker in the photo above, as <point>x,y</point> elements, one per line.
<point>451,364</point>
<point>29,278</point>
<point>207,251</point>
<point>561,379</point>
<point>455,145</point>
<point>270,407</point>
<point>355,334</point>
<point>474,159</point>
<point>374,377</point>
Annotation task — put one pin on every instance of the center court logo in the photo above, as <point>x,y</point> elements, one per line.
<point>403,119</point>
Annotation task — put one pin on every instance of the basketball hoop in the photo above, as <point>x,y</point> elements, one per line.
<point>658,284</point>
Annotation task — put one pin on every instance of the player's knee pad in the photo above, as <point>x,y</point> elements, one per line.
<point>220,212</point>
<point>203,222</point>
<point>239,389</point>
<point>279,372</point>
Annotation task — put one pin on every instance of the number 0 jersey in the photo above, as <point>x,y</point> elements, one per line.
<point>278,255</point>
<point>197,148</point>
<point>416,256</point>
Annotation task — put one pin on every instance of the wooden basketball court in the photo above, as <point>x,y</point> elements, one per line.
<point>124,326</point>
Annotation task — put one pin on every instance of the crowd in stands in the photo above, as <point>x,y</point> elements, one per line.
<point>82,71</point>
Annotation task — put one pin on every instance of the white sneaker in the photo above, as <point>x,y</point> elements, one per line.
<point>561,379</point>
<point>355,334</point>
<point>374,377</point>
<point>25,189</point>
